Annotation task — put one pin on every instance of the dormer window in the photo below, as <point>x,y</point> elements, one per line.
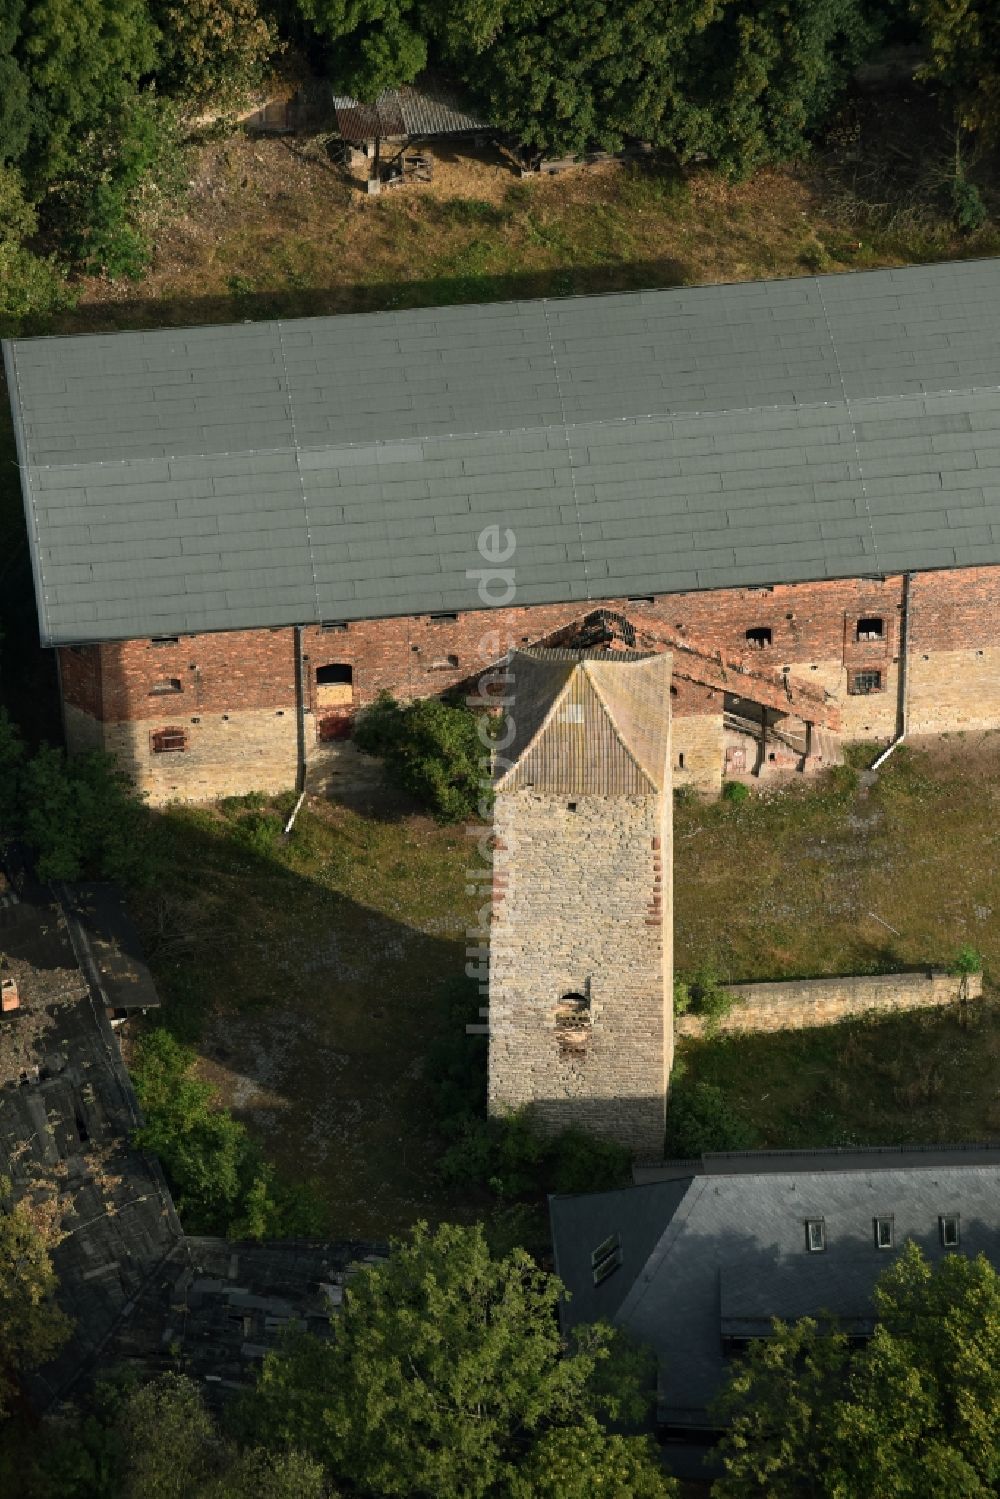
<point>606,1258</point>
<point>815,1235</point>
<point>948,1229</point>
<point>759,638</point>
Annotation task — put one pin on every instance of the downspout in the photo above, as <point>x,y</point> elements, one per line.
<point>904,648</point>
<point>300,730</point>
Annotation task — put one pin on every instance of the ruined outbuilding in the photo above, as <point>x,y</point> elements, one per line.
<point>580,1017</point>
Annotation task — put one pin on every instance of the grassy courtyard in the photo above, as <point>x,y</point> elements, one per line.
<point>313,976</point>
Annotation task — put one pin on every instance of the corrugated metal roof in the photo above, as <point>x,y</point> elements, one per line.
<point>274,473</point>
<point>426,111</point>
<point>591,723</point>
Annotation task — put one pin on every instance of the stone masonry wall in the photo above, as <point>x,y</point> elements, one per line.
<point>800,1004</point>
<point>954,655</point>
<point>582,904</point>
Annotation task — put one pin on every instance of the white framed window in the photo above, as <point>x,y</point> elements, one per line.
<point>815,1235</point>
<point>884,1230</point>
<point>948,1227</point>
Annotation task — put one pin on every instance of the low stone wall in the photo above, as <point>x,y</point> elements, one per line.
<point>798,1004</point>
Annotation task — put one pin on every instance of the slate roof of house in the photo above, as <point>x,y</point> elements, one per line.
<point>592,722</point>
<point>194,479</point>
<point>715,1252</point>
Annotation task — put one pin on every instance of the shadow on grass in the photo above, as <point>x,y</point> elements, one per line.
<point>923,1077</point>
<point>446,290</point>
<point>312,978</point>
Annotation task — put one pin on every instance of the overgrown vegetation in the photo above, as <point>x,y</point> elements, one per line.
<point>99,97</point>
<point>448,1377</point>
<point>80,816</point>
<point>508,1155</point>
<point>32,1327</point>
<point>915,1409</point>
<point>220,1181</point>
<point>435,751</point>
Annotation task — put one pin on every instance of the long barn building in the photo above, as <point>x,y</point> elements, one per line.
<point>241,534</point>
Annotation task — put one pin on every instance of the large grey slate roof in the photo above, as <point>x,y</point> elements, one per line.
<point>713,1253</point>
<point>258,475</point>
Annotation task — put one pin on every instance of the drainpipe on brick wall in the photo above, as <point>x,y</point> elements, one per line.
<point>300,729</point>
<point>904,644</point>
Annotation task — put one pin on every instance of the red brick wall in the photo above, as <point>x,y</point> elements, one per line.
<point>810,623</point>
<point>81,674</point>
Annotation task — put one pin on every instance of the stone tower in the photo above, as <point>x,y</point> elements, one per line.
<point>581,942</point>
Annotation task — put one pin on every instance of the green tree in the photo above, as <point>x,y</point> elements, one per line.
<point>212,49</point>
<point>432,750</point>
<point>917,1409</point>
<point>762,77</point>
<point>32,1327</point>
<point>445,1371</point>
<point>83,60</point>
<point>81,815</point>
<point>963,40</point>
<point>372,44</point>
<point>31,285</point>
<point>220,1180</point>
<point>584,1462</point>
<point>741,81</point>
<point>562,78</point>
<point>15,108</point>
<point>102,209</point>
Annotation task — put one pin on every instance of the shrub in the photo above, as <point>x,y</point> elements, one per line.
<point>967,205</point>
<point>735,792</point>
<point>80,816</point>
<point>703,994</point>
<point>432,750</point>
<point>700,1118</point>
<point>119,174</point>
<point>219,1178</point>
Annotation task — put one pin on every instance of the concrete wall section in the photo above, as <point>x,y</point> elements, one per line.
<point>800,1004</point>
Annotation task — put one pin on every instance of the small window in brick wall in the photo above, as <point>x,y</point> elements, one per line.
<point>334,685</point>
<point>444,663</point>
<point>871,627</point>
<point>573,1024</point>
<point>759,638</point>
<point>164,688</point>
<point>168,741</point>
<point>864,682</point>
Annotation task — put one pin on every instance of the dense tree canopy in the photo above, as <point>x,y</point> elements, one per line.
<point>32,1327</point>
<point>447,1378</point>
<point>914,1413</point>
<point>963,39</point>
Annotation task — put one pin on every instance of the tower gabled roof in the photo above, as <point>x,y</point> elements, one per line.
<point>594,723</point>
